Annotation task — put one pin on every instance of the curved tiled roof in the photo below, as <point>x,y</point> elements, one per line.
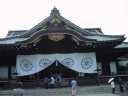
<point>105,37</point>
<point>55,13</point>
<point>122,45</point>
<point>89,33</point>
<point>94,30</point>
<point>11,40</point>
<point>15,33</point>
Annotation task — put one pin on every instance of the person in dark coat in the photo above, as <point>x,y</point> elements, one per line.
<point>121,85</point>
<point>58,79</point>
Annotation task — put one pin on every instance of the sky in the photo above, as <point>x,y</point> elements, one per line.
<point>109,15</point>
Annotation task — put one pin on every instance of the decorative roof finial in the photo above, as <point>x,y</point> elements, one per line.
<point>55,11</point>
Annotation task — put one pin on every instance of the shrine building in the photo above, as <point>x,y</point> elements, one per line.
<point>56,46</point>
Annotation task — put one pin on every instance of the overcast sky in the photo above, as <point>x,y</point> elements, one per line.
<point>109,15</point>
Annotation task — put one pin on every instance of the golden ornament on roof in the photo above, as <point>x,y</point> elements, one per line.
<point>56,37</point>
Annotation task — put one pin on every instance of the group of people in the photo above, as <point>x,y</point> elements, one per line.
<point>53,81</point>
<point>58,81</point>
<point>20,92</point>
<point>122,85</point>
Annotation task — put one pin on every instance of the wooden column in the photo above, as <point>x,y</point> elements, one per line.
<point>37,80</point>
<point>77,75</point>
<point>9,71</point>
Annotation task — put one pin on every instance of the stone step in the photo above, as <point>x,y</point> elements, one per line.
<point>64,91</point>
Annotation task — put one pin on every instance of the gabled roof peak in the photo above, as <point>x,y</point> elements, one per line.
<point>55,11</point>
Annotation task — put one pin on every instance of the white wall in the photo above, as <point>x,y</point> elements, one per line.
<point>13,68</point>
<point>123,63</point>
<point>113,68</point>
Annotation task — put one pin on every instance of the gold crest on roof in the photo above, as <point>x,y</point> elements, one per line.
<point>56,37</point>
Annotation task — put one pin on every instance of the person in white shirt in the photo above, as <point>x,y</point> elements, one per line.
<point>74,85</point>
<point>18,91</point>
<point>113,86</point>
<point>52,82</point>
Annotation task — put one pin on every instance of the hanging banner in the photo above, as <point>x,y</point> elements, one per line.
<point>80,62</point>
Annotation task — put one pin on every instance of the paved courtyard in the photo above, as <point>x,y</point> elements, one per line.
<point>104,90</point>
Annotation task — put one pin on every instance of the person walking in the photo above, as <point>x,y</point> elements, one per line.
<point>126,85</point>
<point>74,85</point>
<point>46,80</point>
<point>121,85</point>
<point>18,91</point>
<point>113,86</point>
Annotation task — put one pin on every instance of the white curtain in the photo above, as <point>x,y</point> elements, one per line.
<point>80,62</point>
<point>4,72</point>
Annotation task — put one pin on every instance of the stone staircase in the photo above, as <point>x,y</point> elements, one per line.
<point>81,91</point>
<point>64,91</point>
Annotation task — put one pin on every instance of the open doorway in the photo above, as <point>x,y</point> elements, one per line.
<point>57,69</point>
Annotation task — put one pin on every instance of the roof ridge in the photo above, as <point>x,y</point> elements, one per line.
<point>55,12</point>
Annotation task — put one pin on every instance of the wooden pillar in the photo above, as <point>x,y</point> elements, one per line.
<point>9,71</point>
<point>37,80</point>
<point>77,75</point>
